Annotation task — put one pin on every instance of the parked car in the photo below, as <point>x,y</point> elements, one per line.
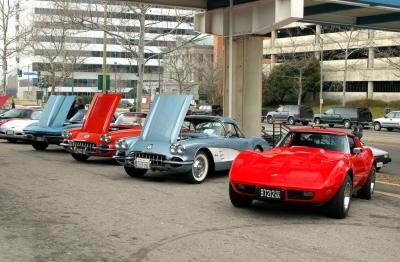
<point>172,141</point>
<point>97,136</point>
<point>309,165</point>
<point>51,123</point>
<point>346,116</point>
<point>18,113</point>
<point>213,110</point>
<point>13,130</point>
<point>390,121</point>
<point>3,111</point>
<point>264,114</point>
<point>382,157</point>
<point>291,114</point>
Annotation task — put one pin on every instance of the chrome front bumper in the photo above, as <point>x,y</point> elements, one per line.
<point>99,150</point>
<point>126,159</point>
<point>20,137</point>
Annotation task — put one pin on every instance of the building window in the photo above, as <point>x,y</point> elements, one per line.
<point>387,86</point>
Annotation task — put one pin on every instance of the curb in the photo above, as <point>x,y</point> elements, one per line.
<point>387,187</point>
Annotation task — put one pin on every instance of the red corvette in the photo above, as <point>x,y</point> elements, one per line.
<point>97,136</point>
<point>309,165</point>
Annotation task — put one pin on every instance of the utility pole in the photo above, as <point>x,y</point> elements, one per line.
<point>105,48</point>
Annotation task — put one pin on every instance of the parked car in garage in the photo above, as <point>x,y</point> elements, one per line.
<point>13,130</point>
<point>192,145</point>
<point>51,123</point>
<point>291,114</point>
<point>390,121</point>
<point>97,135</point>
<point>346,116</point>
<point>309,165</point>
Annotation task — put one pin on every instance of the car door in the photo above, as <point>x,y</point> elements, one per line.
<point>358,161</point>
<point>328,116</point>
<point>278,114</point>
<point>396,120</point>
<point>234,137</point>
<point>389,120</point>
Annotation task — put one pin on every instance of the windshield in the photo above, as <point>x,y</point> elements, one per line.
<point>78,115</point>
<point>17,113</point>
<point>129,120</point>
<point>36,115</point>
<point>213,128</point>
<point>332,142</point>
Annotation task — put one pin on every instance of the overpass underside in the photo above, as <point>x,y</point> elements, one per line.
<point>243,23</point>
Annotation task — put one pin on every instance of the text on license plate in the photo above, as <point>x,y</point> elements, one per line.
<point>39,138</point>
<point>142,163</point>
<point>270,193</point>
<point>379,164</point>
<point>9,132</point>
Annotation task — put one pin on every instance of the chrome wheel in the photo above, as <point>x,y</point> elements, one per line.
<point>377,126</point>
<point>372,188</point>
<point>347,196</point>
<point>317,121</point>
<point>200,167</point>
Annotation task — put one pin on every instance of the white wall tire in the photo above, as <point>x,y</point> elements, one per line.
<point>200,168</point>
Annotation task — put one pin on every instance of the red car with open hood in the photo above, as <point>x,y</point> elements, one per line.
<point>97,135</point>
<point>309,165</point>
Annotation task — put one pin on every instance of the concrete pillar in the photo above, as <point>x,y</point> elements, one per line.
<point>371,58</point>
<point>273,56</point>
<point>318,42</point>
<point>247,87</point>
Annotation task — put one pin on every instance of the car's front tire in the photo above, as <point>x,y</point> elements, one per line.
<point>134,172</point>
<point>80,157</point>
<point>238,200</point>
<point>339,205</point>
<point>291,121</point>
<point>200,168</point>
<point>367,190</point>
<point>41,146</point>
<point>317,121</point>
<point>377,126</point>
<point>269,119</point>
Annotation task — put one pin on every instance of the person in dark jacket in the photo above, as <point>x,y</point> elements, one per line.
<point>77,105</point>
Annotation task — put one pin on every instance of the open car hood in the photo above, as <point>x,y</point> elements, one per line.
<point>100,113</point>
<point>165,119</point>
<point>3,100</point>
<point>56,110</point>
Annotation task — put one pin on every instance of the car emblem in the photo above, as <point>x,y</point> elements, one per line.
<point>86,136</point>
<point>150,146</point>
<point>274,174</point>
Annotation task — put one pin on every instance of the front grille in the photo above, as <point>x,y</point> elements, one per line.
<point>88,146</point>
<point>156,159</point>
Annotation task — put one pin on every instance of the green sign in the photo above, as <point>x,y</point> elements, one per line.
<point>100,82</point>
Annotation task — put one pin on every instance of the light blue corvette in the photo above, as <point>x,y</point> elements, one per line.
<point>51,123</point>
<point>172,141</point>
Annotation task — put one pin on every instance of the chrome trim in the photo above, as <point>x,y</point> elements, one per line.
<point>64,144</point>
<point>163,161</point>
<point>103,148</point>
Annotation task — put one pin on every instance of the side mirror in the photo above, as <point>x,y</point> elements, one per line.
<point>357,150</point>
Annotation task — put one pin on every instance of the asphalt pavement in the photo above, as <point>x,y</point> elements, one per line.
<point>53,208</point>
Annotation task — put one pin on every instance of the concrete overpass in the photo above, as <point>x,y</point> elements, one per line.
<point>243,24</point>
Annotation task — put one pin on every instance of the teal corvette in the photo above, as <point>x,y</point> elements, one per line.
<point>193,145</point>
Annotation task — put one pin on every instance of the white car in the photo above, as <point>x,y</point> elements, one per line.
<point>381,157</point>
<point>390,121</point>
<point>13,130</point>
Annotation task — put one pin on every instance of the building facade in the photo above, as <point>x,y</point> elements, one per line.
<point>68,40</point>
<point>371,68</point>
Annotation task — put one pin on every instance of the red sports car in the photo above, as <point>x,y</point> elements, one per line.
<point>309,165</point>
<point>97,135</point>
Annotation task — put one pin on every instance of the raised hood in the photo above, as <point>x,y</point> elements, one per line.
<point>56,110</point>
<point>165,119</point>
<point>100,113</point>
<point>3,100</point>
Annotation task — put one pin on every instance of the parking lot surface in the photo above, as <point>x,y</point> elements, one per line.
<point>53,208</point>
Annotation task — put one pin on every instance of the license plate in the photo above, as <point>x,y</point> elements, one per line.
<point>10,132</point>
<point>379,164</point>
<point>142,163</point>
<point>80,151</point>
<point>39,138</point>
<point>267,193</point>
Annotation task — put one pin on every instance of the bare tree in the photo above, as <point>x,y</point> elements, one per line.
<point>349,41</point>
<point>137,30</point>
<point>391,54</point>
<point>211,78</point>
<point>11,39</point>
<point>59,57</point>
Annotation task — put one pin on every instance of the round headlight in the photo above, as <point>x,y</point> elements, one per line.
<point>105,138</point>
<point>386,156</point>
<point>173,149</point>
<point>180,149</point>
<point>66,134</point>
<point>121,144</point>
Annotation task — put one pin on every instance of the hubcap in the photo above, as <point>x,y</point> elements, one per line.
<point>200,167</point>
<point>347,195</point>
<point>372,183</point>
<point>377,127</point>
